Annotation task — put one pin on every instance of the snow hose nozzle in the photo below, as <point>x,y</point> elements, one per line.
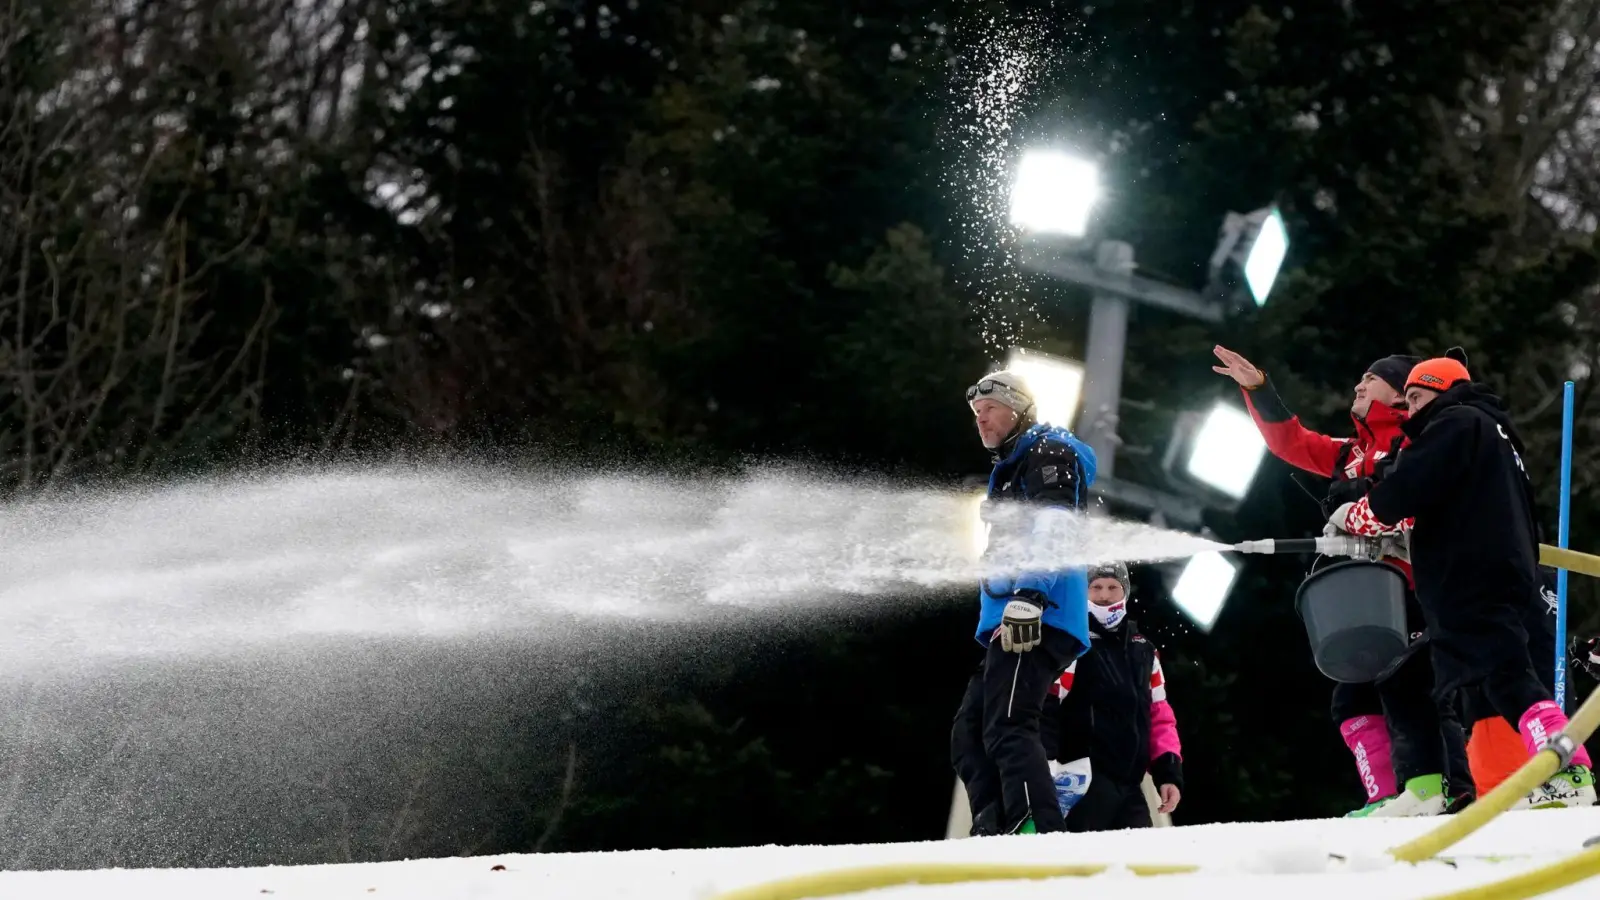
<point>1293,545</point>
<point>1266,546</point>
<point>1328,545</point>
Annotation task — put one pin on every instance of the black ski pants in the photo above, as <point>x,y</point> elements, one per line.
<point>1507,691</point>
<point>995,745</point>
<point>1109,805</point>
<point>1507,683</point>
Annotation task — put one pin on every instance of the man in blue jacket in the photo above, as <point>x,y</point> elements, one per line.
<point>1033,624</point>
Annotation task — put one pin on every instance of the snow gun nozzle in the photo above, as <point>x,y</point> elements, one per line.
<point>1330,545</point>
<point>1292,545</point>
<point>1265,546</point>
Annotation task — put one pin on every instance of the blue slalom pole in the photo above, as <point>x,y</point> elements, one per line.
<point>1561,539</point>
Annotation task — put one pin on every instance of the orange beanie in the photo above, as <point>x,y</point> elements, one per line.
<point>1437,374</point>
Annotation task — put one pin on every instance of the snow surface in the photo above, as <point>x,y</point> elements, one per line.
<point>1239,860</point>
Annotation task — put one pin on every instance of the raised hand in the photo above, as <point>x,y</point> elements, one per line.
<point>1238,368</point>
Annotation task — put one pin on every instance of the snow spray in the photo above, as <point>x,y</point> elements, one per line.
<point>256,669</point>
<point>203,566</point>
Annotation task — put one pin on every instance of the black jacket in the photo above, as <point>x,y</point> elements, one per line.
<point>1474,546</point>
<point>1106,713</point>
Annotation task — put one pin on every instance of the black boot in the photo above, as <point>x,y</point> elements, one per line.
<point>986,822</point>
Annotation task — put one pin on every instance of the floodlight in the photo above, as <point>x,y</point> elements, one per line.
<point>1203,587</point>
<point>1256,243</point>
<point>1266,256</point>
<point>1054,193</point>
<point>1227,450</point>
<point>1056,384</point>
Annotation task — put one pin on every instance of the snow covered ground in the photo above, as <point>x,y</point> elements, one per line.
<point>1237,860</point>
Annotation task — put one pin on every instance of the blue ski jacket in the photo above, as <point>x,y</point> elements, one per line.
<point>1046,465</point>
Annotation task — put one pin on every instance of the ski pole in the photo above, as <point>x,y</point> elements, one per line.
<point>1563,530</point>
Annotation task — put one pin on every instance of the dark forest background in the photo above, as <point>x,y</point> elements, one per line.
<point>236,232</point>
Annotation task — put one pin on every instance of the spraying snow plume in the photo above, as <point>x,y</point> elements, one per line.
<point>212,565</point>
<point>994,75</point>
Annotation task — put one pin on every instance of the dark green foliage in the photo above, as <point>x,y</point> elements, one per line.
<point>691,232</point>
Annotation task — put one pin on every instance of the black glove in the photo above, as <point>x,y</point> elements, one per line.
<point>1344,491</point>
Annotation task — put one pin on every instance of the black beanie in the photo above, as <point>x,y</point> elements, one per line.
<point>1394,370</point>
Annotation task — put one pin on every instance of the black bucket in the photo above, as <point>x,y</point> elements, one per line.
<point>1355,616</point>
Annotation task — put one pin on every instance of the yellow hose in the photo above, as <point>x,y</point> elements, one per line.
<point>1571,560</point>
<point>1533,773</point>
<point>1542,880</point>
<point>850,881</point>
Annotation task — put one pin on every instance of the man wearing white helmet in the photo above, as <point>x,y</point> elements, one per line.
<point>1032,624</point>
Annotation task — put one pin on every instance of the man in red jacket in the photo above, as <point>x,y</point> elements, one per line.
<point>1404,745</point>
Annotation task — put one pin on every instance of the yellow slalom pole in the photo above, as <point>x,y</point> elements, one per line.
<point>1571,560</point>
<point>851,881</point>
<point>1542,880</point>
<point>1533,773</point>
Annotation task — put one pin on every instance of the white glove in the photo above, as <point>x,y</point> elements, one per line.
<point>1397,545</point>
<point>1336,521</point>
<point>1020,630</point>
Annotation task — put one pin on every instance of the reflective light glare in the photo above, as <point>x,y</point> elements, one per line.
<point>1056,384</point>
<point>1054,193</point>
<point>1266,256</point>
<point>1227,450</point>
<point>1203,587</point>
<point>980,528</point>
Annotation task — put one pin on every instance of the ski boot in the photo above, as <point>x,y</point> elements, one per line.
<point>1423,796</point>
<point>1457,802</point>
<point>986,823</point>
<point>1365,811</point>
<point>1572,786</point>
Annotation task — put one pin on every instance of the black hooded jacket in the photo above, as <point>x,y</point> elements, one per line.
<point>1474,544</point>
<point>1103,708</point>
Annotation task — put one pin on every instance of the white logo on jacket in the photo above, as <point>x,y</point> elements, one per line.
<point>1352,469</point>
<point>1514,454</point>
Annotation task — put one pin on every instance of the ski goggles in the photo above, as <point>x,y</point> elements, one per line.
<point>989,386</point>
